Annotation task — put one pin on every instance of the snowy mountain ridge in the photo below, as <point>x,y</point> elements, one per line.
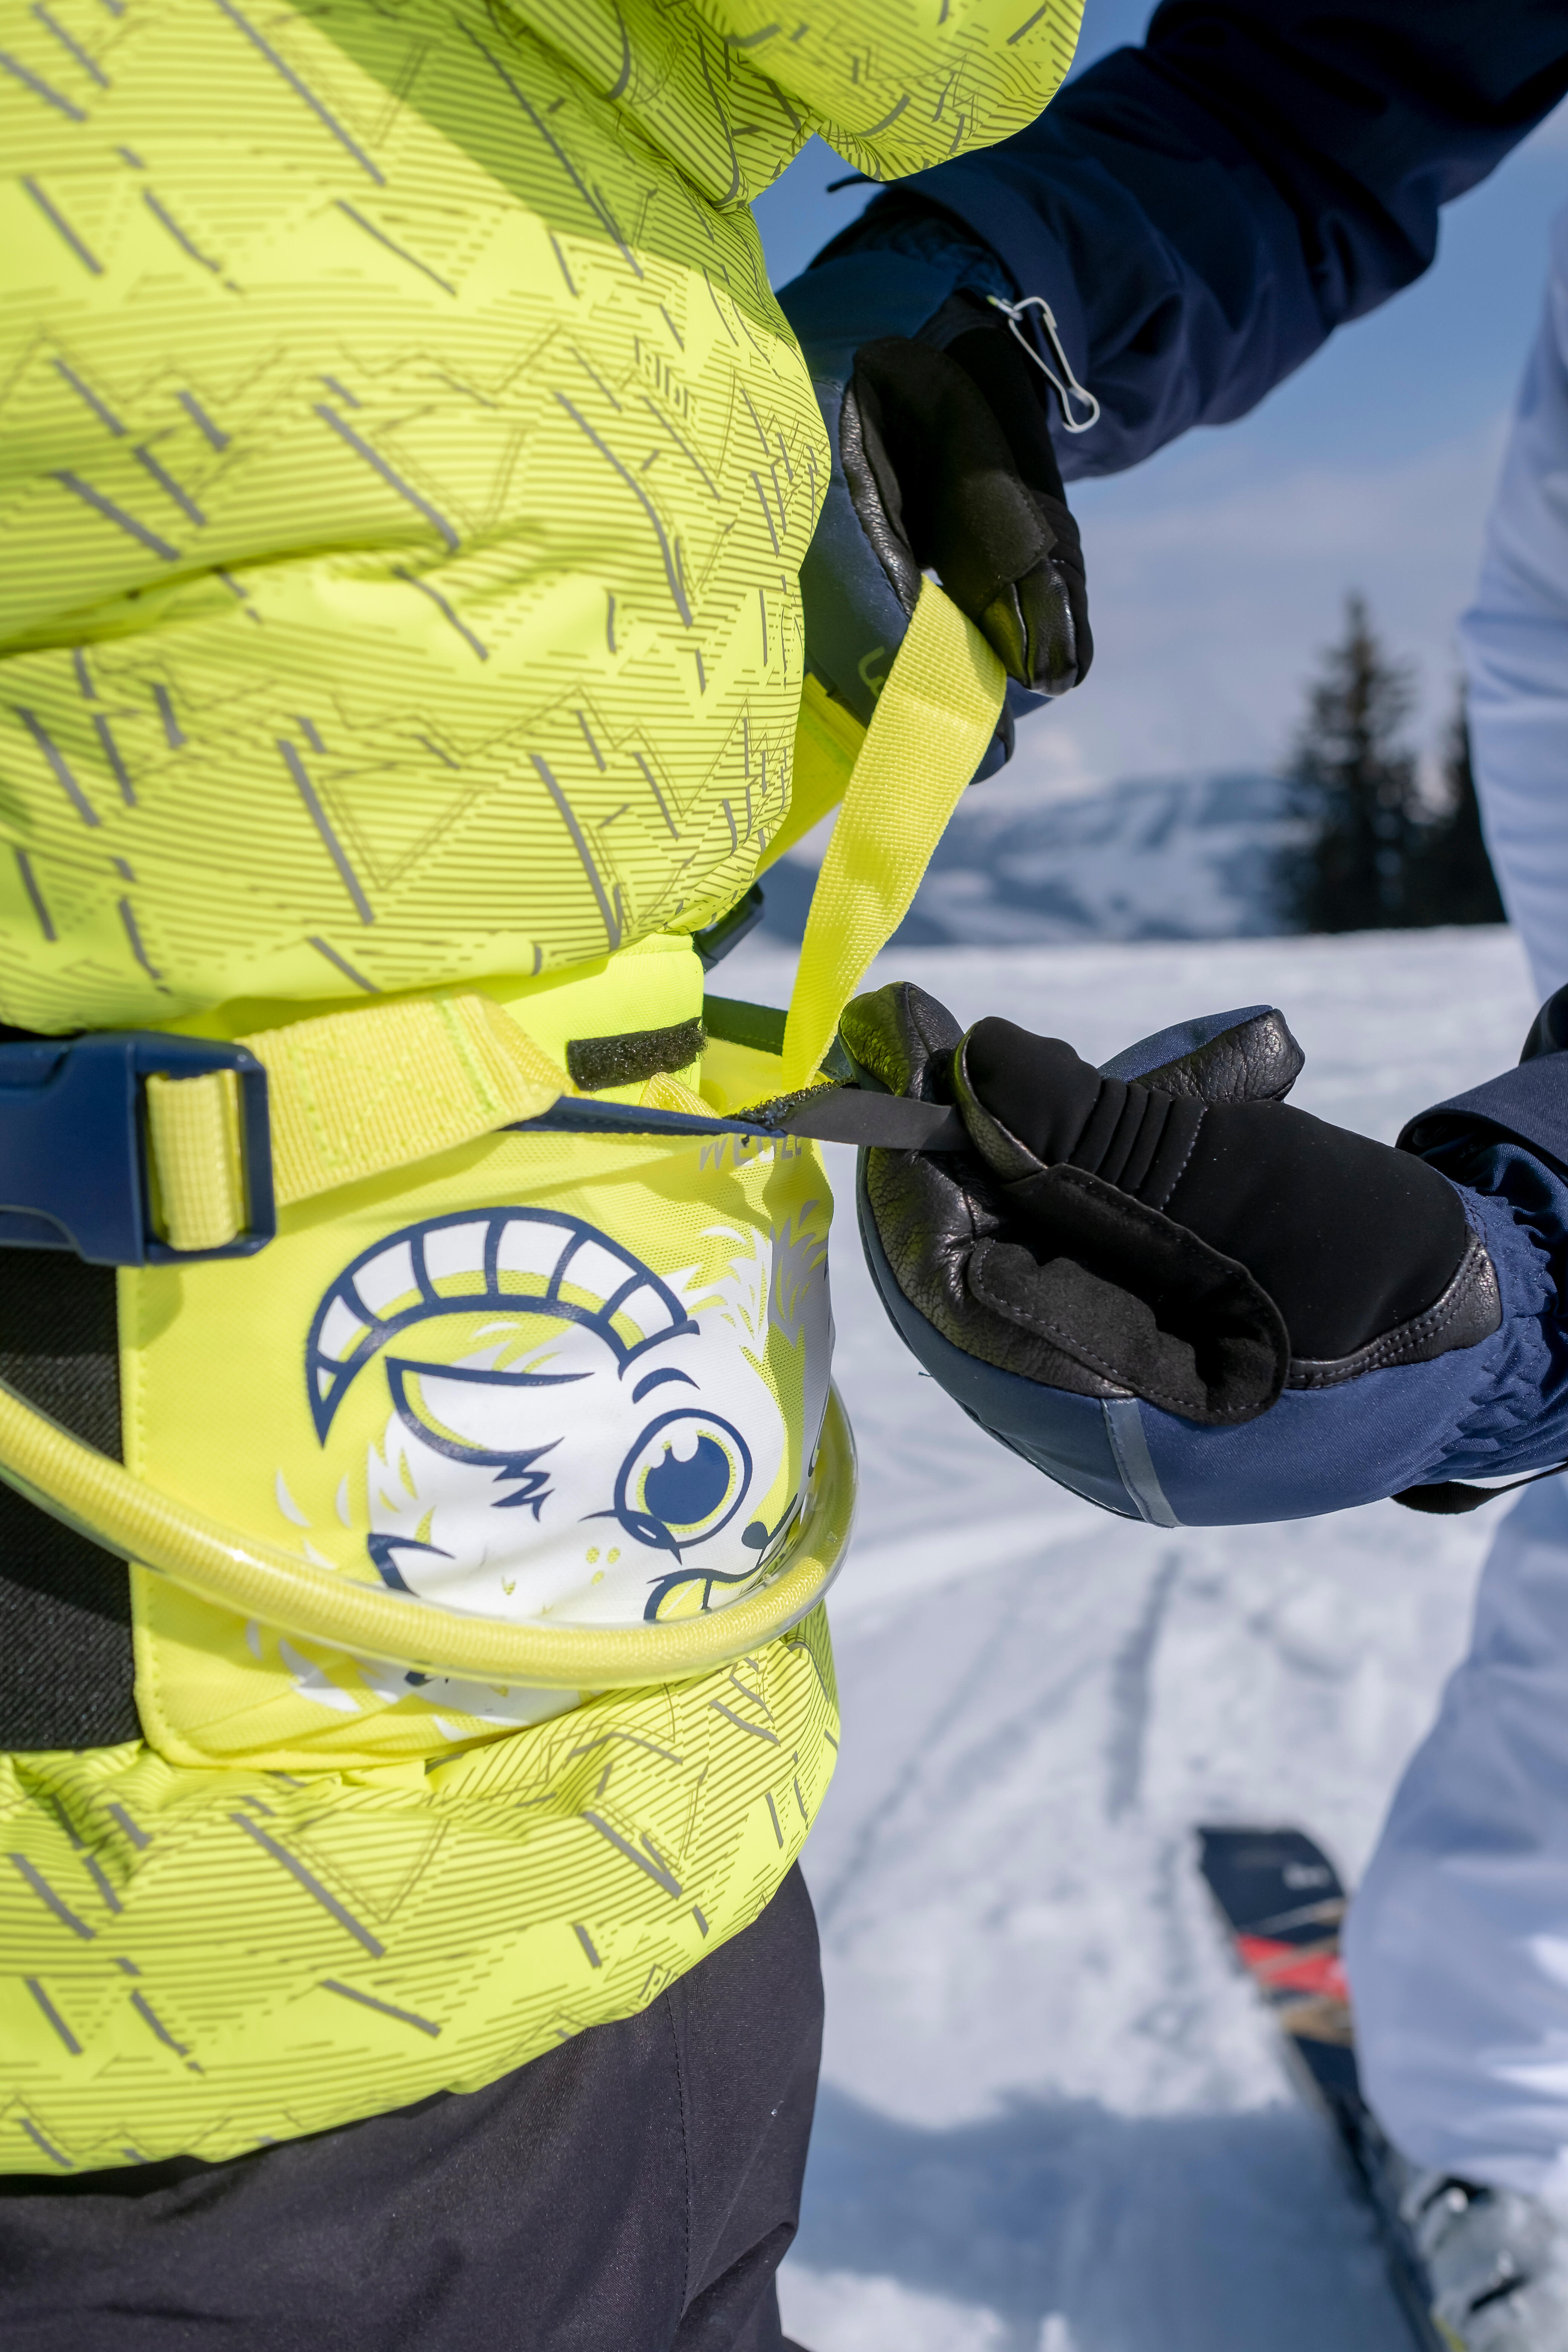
<point>1184,856</point>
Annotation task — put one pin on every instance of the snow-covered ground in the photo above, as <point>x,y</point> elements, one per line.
<point>1052,2118</point>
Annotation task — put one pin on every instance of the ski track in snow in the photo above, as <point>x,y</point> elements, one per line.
<point>1052,2116</point>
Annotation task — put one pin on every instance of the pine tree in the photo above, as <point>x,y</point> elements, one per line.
<point>1451,879</point>
<point>1355,781</point>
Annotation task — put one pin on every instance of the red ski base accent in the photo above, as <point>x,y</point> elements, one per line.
<point>1285,1967</point>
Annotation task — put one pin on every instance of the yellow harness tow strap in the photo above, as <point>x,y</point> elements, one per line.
<point>351,1095</point>
<point>928,734</point>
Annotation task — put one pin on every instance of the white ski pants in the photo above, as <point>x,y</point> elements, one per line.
<point>1457,1942</point>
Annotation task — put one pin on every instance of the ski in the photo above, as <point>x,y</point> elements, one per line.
<point>1282,1901</point>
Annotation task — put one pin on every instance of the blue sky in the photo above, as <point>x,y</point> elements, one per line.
<point>1217,571</point>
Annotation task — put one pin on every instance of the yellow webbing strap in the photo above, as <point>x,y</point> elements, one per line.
<point>353,1094</point>
<point>244,1573</point>
<point>928,734</point>
<point>349,1095</point>
<point>198,1162</point>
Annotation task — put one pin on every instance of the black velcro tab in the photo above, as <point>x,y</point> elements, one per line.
<point>632,1056</point>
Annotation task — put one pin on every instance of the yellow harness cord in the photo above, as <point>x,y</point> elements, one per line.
<point>351,1095</point>
<point>85,1488</point>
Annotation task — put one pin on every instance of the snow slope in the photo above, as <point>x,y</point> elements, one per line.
<point>1051,2118</point>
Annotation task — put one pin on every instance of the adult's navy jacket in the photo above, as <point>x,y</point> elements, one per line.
<point>1202,213</point>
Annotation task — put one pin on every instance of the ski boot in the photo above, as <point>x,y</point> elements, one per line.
<point>1497,2260</point>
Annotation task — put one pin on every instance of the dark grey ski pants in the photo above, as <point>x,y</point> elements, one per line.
<point>631,2192</point>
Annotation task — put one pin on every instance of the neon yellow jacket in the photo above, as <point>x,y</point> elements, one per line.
<point>405,470</point>
<point>404,474</point>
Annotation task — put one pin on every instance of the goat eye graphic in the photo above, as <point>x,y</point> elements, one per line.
<point>684,1479</point>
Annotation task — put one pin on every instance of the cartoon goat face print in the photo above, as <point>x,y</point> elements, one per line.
<point>566,1437</point>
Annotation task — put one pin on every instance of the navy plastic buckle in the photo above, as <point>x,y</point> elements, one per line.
<point>74,1168</point>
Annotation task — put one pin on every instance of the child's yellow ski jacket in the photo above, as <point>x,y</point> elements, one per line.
<point>405,473</point>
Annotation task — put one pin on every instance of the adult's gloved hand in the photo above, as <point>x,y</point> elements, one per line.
<point>946,453</point>
<point>1160,1272</point>
<point>942,458</point>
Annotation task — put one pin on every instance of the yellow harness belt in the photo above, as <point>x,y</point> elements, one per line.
<point>383,1839</point>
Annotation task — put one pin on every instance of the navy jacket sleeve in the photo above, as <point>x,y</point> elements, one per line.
<point>1204,212</point>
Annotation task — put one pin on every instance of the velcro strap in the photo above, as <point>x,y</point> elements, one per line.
<point>349,1095</point>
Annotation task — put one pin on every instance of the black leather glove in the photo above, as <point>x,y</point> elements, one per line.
<point>946,451</point>
<point>1185,1238</point>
